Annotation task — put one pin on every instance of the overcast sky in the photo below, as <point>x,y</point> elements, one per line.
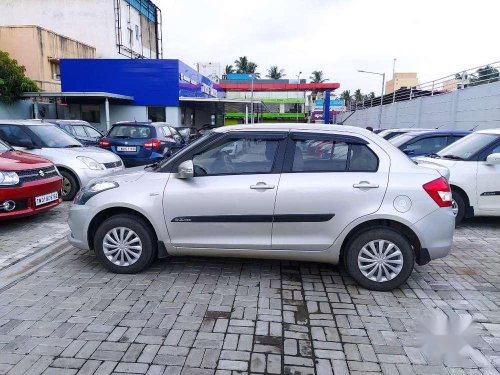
<point>434,38</point>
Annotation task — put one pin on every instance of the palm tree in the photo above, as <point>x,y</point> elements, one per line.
<point>346,96</point>
<point>358,96</point>
<point>317,77</point>
<point>241,64</point>
<point>229,69</point>
<point>274,73</point>
<point>371,95</point>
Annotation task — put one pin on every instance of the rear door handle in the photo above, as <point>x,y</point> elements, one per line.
<point>261,185</point>
<point>365,185</point>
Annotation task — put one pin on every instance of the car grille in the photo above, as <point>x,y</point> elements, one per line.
<point>37,174</point>
<point>113,164</point>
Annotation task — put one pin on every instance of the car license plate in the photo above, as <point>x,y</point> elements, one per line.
<point>126,148</point>
<point>47,198</point>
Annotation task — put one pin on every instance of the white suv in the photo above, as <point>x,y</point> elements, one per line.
<point>288,191</point>
<point>474,164</point>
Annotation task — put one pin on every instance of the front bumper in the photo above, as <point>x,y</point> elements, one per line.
<point>436,233</point>
<point>24,197</point>
<point>79,220</point>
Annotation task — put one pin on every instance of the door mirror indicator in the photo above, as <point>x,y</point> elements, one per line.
<point>185,170</point>
<point>493,158</point>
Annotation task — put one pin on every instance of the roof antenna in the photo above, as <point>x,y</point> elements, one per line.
<point>474,128</point>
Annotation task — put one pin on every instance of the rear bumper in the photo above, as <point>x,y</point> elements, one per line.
<point>436,234</point>
<point>24,197</point>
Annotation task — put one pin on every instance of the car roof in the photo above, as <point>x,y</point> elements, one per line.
<point>489,131</point>
<point>148,123</point>
<point>438,132</point>
<point>24,122</point>
<point>68,122</point>
<point>292,126</point>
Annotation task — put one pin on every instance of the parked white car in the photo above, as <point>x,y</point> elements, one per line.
<point>77,164</point>
<point>295,191</point>
<point>474,164</point>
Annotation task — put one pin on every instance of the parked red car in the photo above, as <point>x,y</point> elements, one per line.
<point>28,183</point>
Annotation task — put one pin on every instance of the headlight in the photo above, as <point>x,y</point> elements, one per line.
<point>92,189</point>
<point>91,163</point>
<point>8,178</point>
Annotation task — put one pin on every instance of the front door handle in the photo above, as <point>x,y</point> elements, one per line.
<point>261,185</point>
<point>365,185</point>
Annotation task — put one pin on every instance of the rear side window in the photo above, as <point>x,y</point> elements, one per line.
<point>332,156</point>
<point>92,132</point>
<point>131,131</point>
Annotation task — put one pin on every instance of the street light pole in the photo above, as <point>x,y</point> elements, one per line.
<point>394,81</point>
<point>251,100</point>
<point>381,95</point>
<point>298,82</point>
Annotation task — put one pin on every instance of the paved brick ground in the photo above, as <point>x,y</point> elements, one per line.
<point>223,316</point>
<point>22,237</point>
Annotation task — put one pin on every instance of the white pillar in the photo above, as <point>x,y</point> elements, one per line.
<point>106,109</point>
<point>35,109</point>
<point>246,114</point>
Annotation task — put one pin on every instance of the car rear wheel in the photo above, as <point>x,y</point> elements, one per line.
<point>125,244</point>
<point>458,207</point>
<point>380,259</point>
<point>70,186</point>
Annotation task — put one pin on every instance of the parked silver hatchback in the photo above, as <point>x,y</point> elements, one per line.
<point>281,191</point>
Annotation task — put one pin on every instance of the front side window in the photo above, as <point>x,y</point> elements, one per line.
<point>237,156</point>
<point>332,156</point>
<point>4,147</point>
<point>429,145</point>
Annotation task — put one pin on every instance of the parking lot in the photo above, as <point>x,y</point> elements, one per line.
<point>212,315</point>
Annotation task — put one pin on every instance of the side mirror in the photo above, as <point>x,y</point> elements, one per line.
<point>493,158</point>
<point>185,170</point>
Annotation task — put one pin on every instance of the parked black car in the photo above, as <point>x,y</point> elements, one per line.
<point>79,129</point>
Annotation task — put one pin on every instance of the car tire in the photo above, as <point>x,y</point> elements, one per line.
<point>70,186</point>
<point>137,259</point>
<point>359,249</point>
<point>459,206</point>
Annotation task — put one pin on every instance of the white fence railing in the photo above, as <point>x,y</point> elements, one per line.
<point>479,75</point>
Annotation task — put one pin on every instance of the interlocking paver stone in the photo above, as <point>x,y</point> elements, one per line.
<point>223,316</point>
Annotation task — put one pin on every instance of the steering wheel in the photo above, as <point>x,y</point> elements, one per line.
<point>228,164</point>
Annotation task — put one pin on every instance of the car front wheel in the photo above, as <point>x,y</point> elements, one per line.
<point>70,186</point>
<point>380,259</point>
<point>125,244</point>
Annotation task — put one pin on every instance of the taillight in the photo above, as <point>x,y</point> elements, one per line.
<point>155,143</point>
<point>440,192</point>
<point>104,143</point>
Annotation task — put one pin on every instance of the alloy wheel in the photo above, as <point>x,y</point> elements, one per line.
<point>122,246</point>
<point>380,260</point>
<point>454,207</point>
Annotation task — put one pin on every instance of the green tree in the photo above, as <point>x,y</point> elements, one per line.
<point>275,73</point>
<point>486,74</point>
<point>371,95</point>
<point>229,69</point>
<point>346,96</point>
<point>358,96</point>
<point>317,77</point>
<point>244,66</point>
<point>13,81</point>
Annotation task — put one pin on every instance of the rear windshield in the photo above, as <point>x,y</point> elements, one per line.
<point>131,131</point>
<point>401,139</point>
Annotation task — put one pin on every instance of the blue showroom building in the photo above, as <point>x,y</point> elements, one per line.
<point>105,91</point>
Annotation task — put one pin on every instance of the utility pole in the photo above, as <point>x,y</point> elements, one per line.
<point>394,81</point>
<point>298,82</point>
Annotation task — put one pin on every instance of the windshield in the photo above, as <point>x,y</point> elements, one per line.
<point>468,146</point>
<point>130,131</point>
<point>53,137</point>
<point>4,147</point>
<point>401,139</point>
<point>164,161</point>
